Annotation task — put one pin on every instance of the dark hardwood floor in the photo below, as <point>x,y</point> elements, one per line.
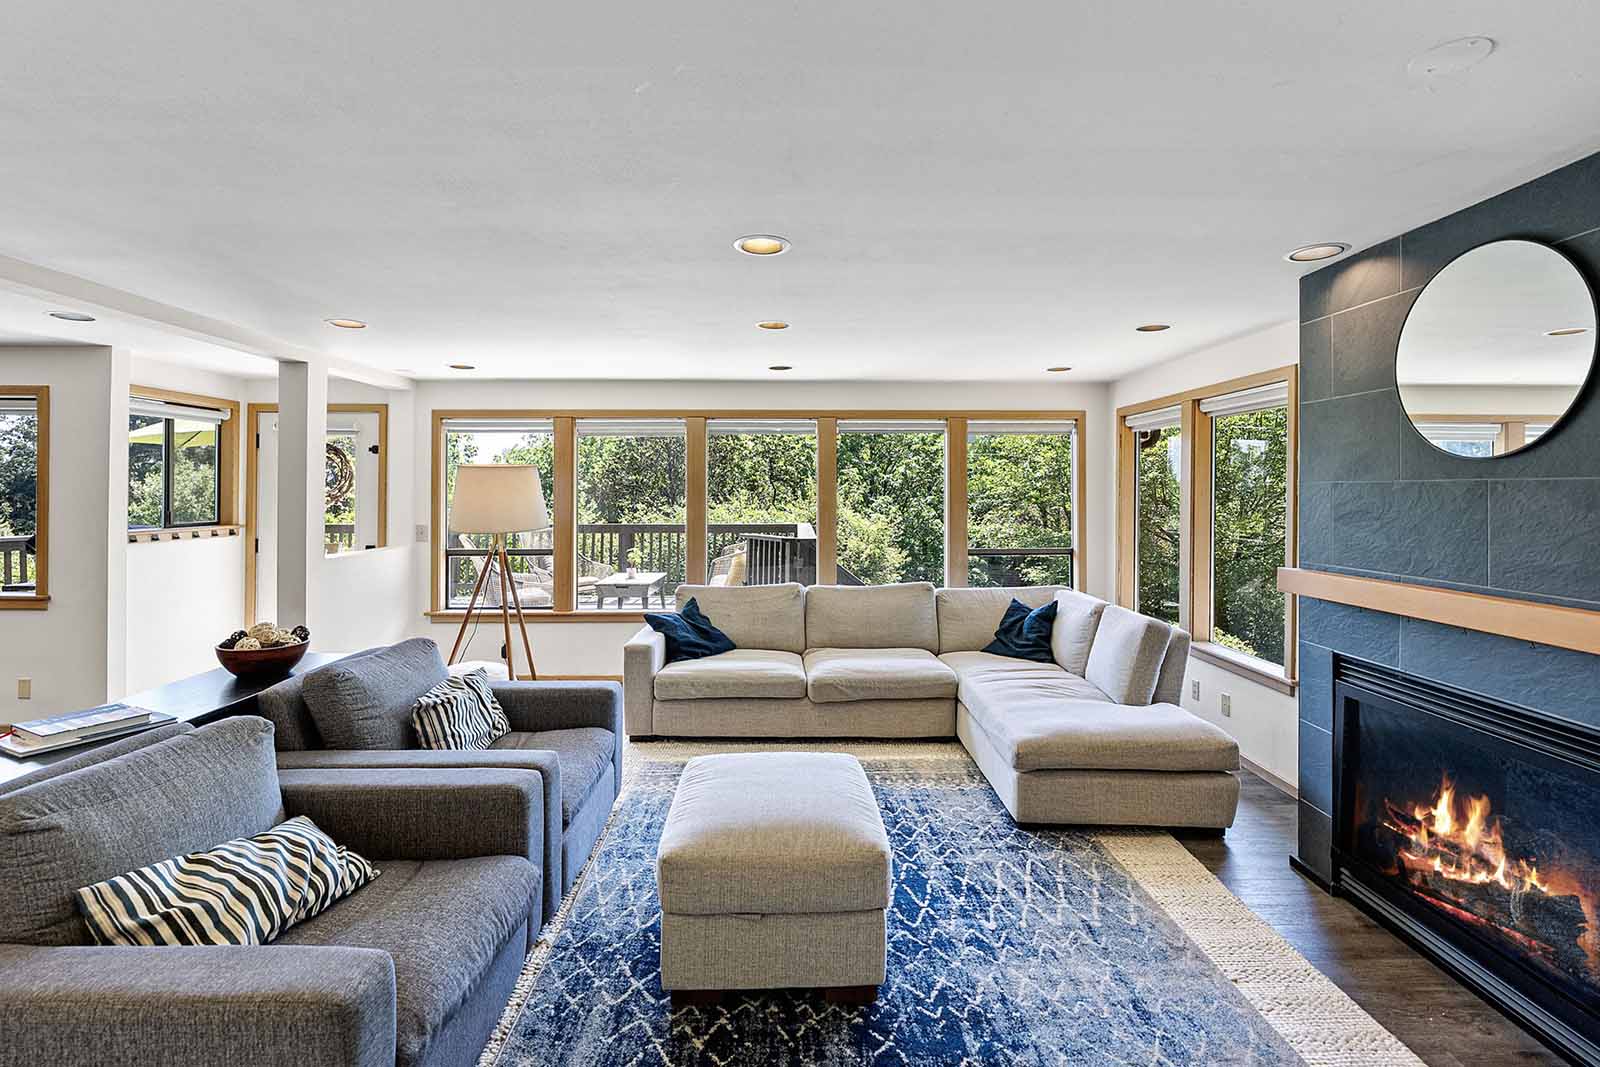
<point>1439,1019</point>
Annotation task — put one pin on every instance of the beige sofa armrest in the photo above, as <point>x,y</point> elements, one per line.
<point>643,655</point>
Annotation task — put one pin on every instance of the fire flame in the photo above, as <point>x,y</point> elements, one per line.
<point>1461,842</point>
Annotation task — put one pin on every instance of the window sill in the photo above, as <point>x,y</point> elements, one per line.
<point>538,615</point>
<point>180,533</point>
<point>23,602</point>
<point>1268,674</point>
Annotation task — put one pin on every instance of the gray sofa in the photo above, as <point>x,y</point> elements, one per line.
<point>412,969</point>
<point>1095,737</point>
<point>569,733</point>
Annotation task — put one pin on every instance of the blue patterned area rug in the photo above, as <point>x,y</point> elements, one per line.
<point>1006,946</point>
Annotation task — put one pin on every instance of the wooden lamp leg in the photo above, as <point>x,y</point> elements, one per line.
<point>522,623</point>
<point>477,590</point>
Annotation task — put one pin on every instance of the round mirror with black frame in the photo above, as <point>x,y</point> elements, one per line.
<point>1496,349</point>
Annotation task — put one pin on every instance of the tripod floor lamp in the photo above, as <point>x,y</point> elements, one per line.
<point>498,499</point>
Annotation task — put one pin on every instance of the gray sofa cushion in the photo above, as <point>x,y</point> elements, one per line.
<point>1127,653</point>
<point>189,792</point>
<point>1169,682</point>
<point>1077,620</point>
<point>968,618</point>
<point>835,675</point>
<point>754,616</point>
<point>584,754</point>
<point>744,672</point>
<point>365,701</point>
<point>442,922</point>
<point>872,616</point>
<point>773,833</point>
<point>1050,734</point>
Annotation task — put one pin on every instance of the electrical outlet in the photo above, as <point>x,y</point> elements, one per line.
<point>24,688</point>
<point>1227,705</point>
<point>1194,689</point>
<point>422,533</point>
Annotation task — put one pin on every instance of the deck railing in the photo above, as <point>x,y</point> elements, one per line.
<point>15,573</point>
<point>1019,566</point>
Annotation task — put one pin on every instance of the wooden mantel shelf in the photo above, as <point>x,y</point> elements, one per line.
<point>1524,620</point>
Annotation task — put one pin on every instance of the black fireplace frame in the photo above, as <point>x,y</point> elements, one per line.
<point>1544,738</point>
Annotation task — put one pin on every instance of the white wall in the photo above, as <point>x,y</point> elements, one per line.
<point>66,649</point>
<point>586,648</point>
<point>1263,721</point>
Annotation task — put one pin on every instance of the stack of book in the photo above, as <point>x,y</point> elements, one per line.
<point>78,728</point>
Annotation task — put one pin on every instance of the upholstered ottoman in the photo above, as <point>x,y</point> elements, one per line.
<point>774,873</point>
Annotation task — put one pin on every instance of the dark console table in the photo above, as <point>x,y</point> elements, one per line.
<point>202,698</point>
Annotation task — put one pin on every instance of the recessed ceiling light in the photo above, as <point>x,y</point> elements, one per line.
<point>1153,327</point>
<point>1452,57</point>
<point>1569,331</point>
<point>1058,370</point>
<point>462,366</point>
<point>773,324</point>
<point>780,366</point>
<point>346,324</point>
<point>762,244</point>
<point>71,316</point>
<point>1313,253</point>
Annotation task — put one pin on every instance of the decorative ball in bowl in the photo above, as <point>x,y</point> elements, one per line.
<point>263,651</point>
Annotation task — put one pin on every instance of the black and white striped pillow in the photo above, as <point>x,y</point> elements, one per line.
<point>245,892</point>
<point>459,713</point>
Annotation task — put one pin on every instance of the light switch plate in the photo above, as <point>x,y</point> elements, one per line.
<point>24,688</point>
<point>422,533</point>
<point>1194,689</point>
<point>1227,705</point>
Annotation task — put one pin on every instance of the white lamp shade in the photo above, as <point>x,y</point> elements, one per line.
<point>496,498</point>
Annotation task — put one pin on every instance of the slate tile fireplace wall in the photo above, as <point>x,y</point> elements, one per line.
<point>1377,500</point>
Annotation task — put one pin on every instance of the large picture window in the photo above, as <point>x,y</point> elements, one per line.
<point>1019,503</point>
<point>641,504</point>
<point>174,465</point>
<point>1250,499</point>
<point>24,450</point>
<point>531,552</point>
<point>891,502</point>
<point>761,501</point>
<point>1206,519</point>
<point>632,494</point>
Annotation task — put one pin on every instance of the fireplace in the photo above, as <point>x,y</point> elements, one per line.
<point>1472,827</point>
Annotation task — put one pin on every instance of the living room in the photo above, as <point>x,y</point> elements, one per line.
<point>713,550</point>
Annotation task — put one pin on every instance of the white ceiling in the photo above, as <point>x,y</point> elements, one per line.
<point>551,190</point>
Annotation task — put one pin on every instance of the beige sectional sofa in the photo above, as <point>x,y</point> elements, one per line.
<point>1096,737</point>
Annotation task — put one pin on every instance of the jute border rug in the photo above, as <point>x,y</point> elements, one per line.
<point>1312,1015</point>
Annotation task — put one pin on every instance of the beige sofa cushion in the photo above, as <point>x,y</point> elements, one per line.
<point>1082,735</point>
<point>1077,619</point>
<point>754,616</point>
<point>968,618</point>
<point>836,675</point>
<point>743,672</point>
<point>999,683</point>
<point>1126,657</point>
<point>871,616</point>
<point>764,833</point>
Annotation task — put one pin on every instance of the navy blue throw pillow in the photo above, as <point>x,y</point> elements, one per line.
<point>690,634</point>
<point>1024,633</point>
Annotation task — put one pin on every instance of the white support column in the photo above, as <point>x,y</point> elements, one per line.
<point>116,577</point>
<point>302,461</point>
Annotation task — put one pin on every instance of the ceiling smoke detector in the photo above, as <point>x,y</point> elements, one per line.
<point>1452,57</point>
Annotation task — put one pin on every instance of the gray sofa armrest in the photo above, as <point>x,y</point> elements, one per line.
<point>273,1006</point>
<point>536,706</point>
<point>408,813</point>
<point>537,761</point>
<point>643,655</point>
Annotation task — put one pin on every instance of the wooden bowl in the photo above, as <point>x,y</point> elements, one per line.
<point>261,662</point>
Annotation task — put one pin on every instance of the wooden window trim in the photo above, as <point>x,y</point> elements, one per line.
<point>252,486</point>
<point>564,422</point>
<point>1196,507</point>
<point>39,599</point>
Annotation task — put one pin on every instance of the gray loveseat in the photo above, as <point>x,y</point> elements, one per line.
<point>569,733</point>
<point>412,969</point>
<point>1095,737</point>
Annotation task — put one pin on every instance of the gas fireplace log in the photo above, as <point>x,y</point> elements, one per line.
<point>1554,921</point>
